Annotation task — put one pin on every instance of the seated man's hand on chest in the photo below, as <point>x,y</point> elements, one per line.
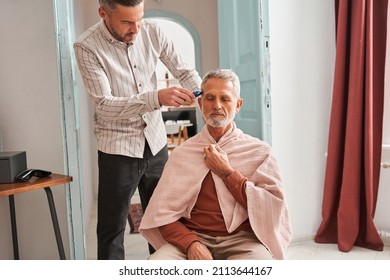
<point>217,161</point>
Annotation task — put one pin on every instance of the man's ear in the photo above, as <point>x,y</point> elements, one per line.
<point>239,104</point>
<point>200,103</point>
<point>102,13</point>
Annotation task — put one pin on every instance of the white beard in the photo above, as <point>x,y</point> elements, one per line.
<point>215,122</point>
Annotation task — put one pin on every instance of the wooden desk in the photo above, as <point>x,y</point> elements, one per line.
<point>10,189</point>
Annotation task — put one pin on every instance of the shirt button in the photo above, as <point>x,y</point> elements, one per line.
<point>135,66</point>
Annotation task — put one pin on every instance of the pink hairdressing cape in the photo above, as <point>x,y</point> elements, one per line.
<point>180,183</point>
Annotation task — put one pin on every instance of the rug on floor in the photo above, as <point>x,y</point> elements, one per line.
<point>135,216</point>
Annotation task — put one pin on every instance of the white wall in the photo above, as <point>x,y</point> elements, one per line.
<point>386,121</point>
<point>381,219</point>
<point>381,216</point>
<point>302,56</point>
<point>30,120</point>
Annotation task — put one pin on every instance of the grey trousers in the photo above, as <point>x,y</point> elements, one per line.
<point>240,246</point>
<point>119,177</point>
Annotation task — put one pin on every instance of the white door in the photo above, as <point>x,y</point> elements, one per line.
<point>243,47</point>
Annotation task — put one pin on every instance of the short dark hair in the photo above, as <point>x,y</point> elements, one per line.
<point>111,4</point>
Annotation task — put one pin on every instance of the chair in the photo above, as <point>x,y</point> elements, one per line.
<point>173,128</point>
<point>184,124</point>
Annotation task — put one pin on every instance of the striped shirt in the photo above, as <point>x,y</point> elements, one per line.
<point>122,84</point>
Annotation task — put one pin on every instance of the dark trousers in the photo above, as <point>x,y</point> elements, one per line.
<point>119,177</point>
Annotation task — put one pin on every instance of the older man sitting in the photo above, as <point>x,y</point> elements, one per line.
<point>220,195</point>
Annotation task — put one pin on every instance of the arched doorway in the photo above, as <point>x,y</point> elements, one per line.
<point>180,24</point>
<point>184,44</point>
<point>187,42</point>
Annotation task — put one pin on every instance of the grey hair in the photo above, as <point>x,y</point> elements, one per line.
<point>224,74</point>
<point>111,4</point>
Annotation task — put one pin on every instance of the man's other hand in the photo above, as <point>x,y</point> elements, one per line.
<point>198,251</point>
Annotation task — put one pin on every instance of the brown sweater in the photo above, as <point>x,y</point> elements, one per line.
<point>206,216</point>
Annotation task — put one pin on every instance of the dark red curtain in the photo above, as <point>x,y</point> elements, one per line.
<point>355,132</point>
